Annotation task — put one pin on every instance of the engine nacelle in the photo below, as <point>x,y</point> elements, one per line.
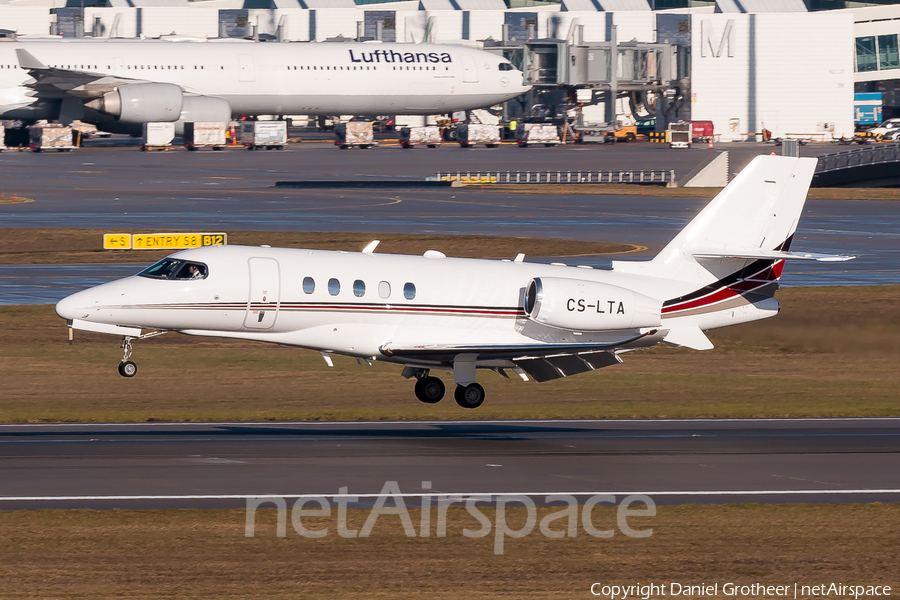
<point>203,109</point>
<point>588,305</point>
<point>142,102</point>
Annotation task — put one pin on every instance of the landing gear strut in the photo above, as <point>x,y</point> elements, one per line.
<point>429,390</point>
<point>127,368</point>
<point>469,396</point>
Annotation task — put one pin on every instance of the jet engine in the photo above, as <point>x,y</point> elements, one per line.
<point>141,102</point>
<point>588,305</point>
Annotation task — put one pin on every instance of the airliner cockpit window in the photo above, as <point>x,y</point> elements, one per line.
<point>506,67</point>
<point>161,270</point>
<point>191,270</point>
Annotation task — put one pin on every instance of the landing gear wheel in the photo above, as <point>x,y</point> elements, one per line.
<point>430,390</point>
<point>469,396</point>
<point>127,369</point>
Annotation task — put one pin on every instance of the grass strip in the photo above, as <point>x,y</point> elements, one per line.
<point>205,554</point>
<point>85,246</point>
<point>831,352</point>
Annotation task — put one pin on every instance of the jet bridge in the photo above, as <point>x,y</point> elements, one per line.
<point>609,67</point>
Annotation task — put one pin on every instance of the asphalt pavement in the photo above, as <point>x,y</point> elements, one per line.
<point>673,461</point>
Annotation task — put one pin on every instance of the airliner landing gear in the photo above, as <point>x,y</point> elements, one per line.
<point>126,367</point>
<point>469,396</point>
<point>429,390</point>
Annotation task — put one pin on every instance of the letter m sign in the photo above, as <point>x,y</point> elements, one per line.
<point>709,42</point>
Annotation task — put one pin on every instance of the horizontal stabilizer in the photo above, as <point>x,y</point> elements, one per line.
<point>758,253</point>
<point>688,337</point>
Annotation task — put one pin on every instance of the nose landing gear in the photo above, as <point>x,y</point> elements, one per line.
<point>127,368</point>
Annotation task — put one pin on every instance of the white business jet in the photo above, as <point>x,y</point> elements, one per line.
<point>120,84</point>
<point>431,313</point>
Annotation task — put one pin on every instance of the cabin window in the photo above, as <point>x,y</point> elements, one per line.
<point>409,291</point>
<point>359,288</point>
<point>384,289</point>
<point>334,287</point>
<point>309,285</point>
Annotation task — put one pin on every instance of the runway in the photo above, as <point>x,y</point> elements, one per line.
<point>156,465</point>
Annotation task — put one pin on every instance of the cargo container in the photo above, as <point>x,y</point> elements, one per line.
<point>204,134</point>
<point>413,136</point>
<point>867,108</point>
<point>702,131</point>
<point>2,138</point>
<point>158,136</point>
<point>470,134</point>
<point>538,133</point>
<point>680,134</point>
<point>354,133</point>
<point>264,134</point>
<point>50,136</point>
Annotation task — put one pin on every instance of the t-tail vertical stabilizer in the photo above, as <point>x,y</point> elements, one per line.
<point>724,266</point>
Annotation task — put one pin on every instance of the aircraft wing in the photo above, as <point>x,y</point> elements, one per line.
<point>542,362</point>
<point>54,83</point>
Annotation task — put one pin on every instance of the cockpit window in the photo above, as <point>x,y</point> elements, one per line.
<point>191,270</point>
<point>161,270</point>
<point>171,268</point>
<point>506,67</point>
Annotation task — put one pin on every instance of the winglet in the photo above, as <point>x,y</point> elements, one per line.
<point>370,249</point>
<point>689,337</point>
<point>27,61</point>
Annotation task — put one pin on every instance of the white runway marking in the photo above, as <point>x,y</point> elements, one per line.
<point>459,494</point>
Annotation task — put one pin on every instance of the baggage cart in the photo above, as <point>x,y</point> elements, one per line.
<point>271,135</point>
<point>204,134</point>
<point>158,136</point>
<point>538,133</point>
<point>470,134</point>
<point>354,133</point>
<point>429,135</point>
<point>50,136</point>
<point>680,134</point>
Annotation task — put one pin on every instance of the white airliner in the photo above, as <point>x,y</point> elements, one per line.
<point>121,84</point>
<point>431,312</point>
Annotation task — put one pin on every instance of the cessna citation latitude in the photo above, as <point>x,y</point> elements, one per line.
<point>431,313</point>
<point>118,85</point>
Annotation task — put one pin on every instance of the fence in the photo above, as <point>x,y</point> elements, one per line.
<point>654,177</point>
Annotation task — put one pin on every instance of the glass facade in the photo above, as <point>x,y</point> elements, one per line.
<point>888,57</point>
<point>865,54</point>
<point>877,53</point>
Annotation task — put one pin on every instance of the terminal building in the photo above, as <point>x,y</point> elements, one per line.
<point>787,66</point>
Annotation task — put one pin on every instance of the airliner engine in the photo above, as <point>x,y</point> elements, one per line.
<point>197,109</point>
<point>588,305</point>
<point>141,102</point>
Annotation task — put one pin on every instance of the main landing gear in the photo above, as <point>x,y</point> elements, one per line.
<point>127,368</point>
<point>430,390</point>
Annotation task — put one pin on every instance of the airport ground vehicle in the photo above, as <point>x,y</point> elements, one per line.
<point>51,136</point>
<point>204,135</point>
<point>264,134</point>
<point>429,135</point>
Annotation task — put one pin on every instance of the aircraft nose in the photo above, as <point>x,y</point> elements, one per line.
<point>72,307</point>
